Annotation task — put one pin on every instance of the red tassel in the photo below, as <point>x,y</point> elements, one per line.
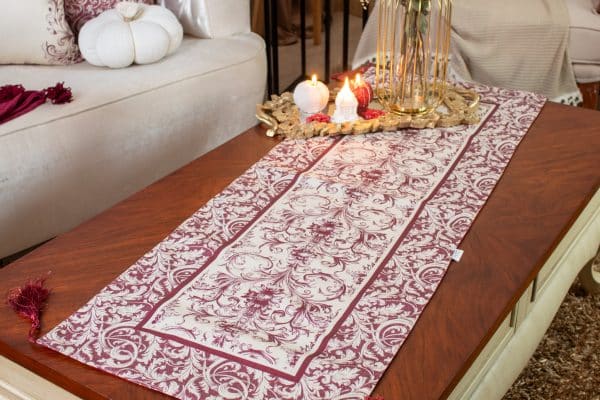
<point>16,101</point>
<point>59,94</point>
<point>28,301</point>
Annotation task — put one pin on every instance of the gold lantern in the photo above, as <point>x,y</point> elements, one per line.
<point>413,41</point>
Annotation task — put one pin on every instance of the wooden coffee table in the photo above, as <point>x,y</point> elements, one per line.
<point>512,252</point>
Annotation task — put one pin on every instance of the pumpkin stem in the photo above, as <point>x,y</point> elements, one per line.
<point>130,11</point>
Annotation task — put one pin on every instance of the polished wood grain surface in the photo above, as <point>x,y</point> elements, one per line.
<point>553,175</point>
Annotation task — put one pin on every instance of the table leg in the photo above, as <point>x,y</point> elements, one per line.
<point>258,21</point>
<point>590,92</point>
<point>346,38</point>
<point>317,12</point>
<point>590,275</point>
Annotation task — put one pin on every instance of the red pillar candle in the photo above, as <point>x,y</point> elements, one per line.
<point>363,93</point>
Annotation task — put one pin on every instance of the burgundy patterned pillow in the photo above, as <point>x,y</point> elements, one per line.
<point>80,11</point>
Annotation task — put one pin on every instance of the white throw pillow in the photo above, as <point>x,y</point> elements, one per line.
<point>130,33</point>
<point>210,19</point>
<point>36,32</point>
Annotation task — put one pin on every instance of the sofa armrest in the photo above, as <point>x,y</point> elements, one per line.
<point>210,19</point>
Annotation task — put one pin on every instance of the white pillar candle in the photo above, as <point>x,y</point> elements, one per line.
<point>311,96</point>
<point>346,105</point>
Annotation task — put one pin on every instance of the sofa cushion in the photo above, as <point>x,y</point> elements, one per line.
<point>36,32</point>
<point>585,31</point>
<point>130,33</point>
<point>61,165</point>
<point>586,73</point>
<point>95,87</point>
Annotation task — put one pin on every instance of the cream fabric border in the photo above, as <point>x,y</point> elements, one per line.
<point>36,32</point>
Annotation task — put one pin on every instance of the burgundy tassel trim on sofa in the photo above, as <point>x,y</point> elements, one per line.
<point>16,101</point>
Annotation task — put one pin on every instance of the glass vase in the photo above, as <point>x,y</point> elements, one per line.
<point>413,41</point>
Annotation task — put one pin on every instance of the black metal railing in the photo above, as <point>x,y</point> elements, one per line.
<point>271,39</point>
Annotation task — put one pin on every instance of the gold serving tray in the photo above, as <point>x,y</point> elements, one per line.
<point>282,116</point>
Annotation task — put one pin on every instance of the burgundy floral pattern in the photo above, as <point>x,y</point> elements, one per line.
<point>303,278</point>
<point>346,218</point>
<point>62,50</point>
<point>81,11</point>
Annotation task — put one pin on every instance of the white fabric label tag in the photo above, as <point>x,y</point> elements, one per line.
<point>457,255</point>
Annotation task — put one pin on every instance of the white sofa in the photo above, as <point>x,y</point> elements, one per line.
<point>62,164</point>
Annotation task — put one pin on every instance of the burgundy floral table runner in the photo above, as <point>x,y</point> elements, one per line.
<point>303,278</point>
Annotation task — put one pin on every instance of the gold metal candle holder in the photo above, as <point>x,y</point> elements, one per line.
<point>413,41</point>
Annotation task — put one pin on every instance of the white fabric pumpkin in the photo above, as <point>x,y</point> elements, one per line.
<point>130,33</point>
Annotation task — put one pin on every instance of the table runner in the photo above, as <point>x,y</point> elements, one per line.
<point>302,279</point>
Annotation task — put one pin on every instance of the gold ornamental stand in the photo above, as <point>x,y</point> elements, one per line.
<point>282,117</point>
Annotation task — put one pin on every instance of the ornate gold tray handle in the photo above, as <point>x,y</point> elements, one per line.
<point>282,117</point>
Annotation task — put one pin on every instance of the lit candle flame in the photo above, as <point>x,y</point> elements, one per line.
<point>346,95</point>
<point>314,79</point>
<point>346,86</point>
<point>345,104</point>
<point>357,80</point>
